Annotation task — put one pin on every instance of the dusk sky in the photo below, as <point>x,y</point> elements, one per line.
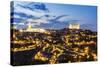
<point>55,16</point>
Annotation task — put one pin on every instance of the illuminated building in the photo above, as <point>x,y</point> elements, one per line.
<point>31,29</point>
<point>14,27</point>
<point>74,26</point>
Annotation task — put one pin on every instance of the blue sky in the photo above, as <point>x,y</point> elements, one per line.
<point>53,16</point>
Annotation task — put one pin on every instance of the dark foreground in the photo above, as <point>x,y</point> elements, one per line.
<point>59,46</point>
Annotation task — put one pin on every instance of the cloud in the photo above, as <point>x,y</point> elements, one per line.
<point>16,16</point>
<point>39,15</point>
<point>28,12</point>
<point>22,15</point>
<point>32,7</point>
<point>16,20</point>
<point>39,6</point>
<point>89,26</point>
<point>24,10</point>
<point>53,25</point>
<point>60,17</point>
